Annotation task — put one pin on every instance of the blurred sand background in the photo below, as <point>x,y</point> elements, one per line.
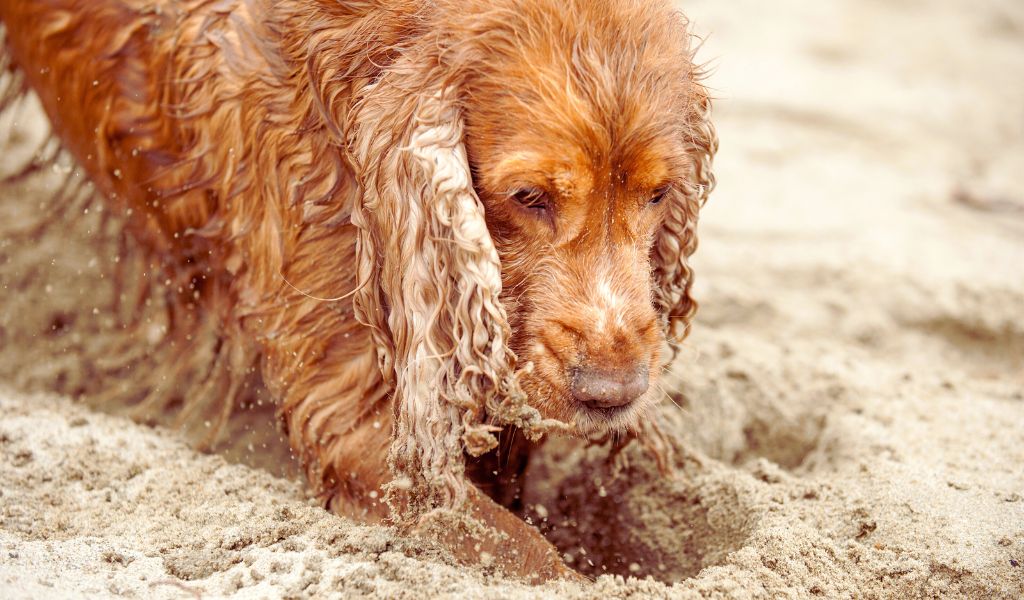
<point>853,391</point>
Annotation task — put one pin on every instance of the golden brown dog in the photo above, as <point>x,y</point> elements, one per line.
<point>423,220</point>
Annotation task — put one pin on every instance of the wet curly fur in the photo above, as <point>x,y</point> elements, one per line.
<point>417,219</point>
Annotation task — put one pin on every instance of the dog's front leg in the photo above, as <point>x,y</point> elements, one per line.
<point>488,534</point>
<point>336,411</point>
<point>339,422</point>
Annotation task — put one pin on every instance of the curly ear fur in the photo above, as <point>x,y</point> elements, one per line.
<point>675,243</point>
<point>432,303</point>
<point>677,240</point>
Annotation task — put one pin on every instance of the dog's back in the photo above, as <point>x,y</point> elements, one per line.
<point>97,67</point>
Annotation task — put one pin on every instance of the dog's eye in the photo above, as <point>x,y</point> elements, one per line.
<point>531,198</point>
<point>660,194</point>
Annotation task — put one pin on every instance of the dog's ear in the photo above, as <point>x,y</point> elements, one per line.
<point>677,239</point>
<point>430,277</point>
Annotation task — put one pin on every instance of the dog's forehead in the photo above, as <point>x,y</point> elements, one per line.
<point>580,105</point>
<point>576,146</point>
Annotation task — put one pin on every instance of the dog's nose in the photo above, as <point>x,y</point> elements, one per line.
<point>608,388</point>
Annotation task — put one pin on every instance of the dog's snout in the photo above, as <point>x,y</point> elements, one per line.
<point>608,388</point>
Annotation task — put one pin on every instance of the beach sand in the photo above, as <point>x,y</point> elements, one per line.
<point>851,398</point>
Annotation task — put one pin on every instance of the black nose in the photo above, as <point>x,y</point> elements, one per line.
<point>608,388</point>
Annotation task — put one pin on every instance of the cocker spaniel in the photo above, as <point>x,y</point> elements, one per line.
<point>423,220</point>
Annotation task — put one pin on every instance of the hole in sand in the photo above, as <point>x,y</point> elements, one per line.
<point>607,517</point>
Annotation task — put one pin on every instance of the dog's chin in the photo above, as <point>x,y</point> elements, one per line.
<point>600,421</point>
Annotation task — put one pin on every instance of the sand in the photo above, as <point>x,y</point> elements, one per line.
<point>852,397</point>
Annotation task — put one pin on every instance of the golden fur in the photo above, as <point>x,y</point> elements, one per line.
<point>423,221</point>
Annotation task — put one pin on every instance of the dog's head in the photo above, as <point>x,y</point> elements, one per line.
<point>532,174</point>
<point>587,137</point>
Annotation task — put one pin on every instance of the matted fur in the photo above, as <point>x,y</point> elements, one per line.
<point>678,238</point>
<point>433,305</point>
<point>299,170</point>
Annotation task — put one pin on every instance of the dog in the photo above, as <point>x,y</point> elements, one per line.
<point>422,221</point>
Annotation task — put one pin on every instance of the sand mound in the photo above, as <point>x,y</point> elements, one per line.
<point>851,402</point>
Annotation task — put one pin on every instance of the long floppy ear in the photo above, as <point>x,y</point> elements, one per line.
<point>430,279</point>
<point>678,238</point>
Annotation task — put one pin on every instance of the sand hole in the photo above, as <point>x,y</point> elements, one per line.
<point>631,520</point>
